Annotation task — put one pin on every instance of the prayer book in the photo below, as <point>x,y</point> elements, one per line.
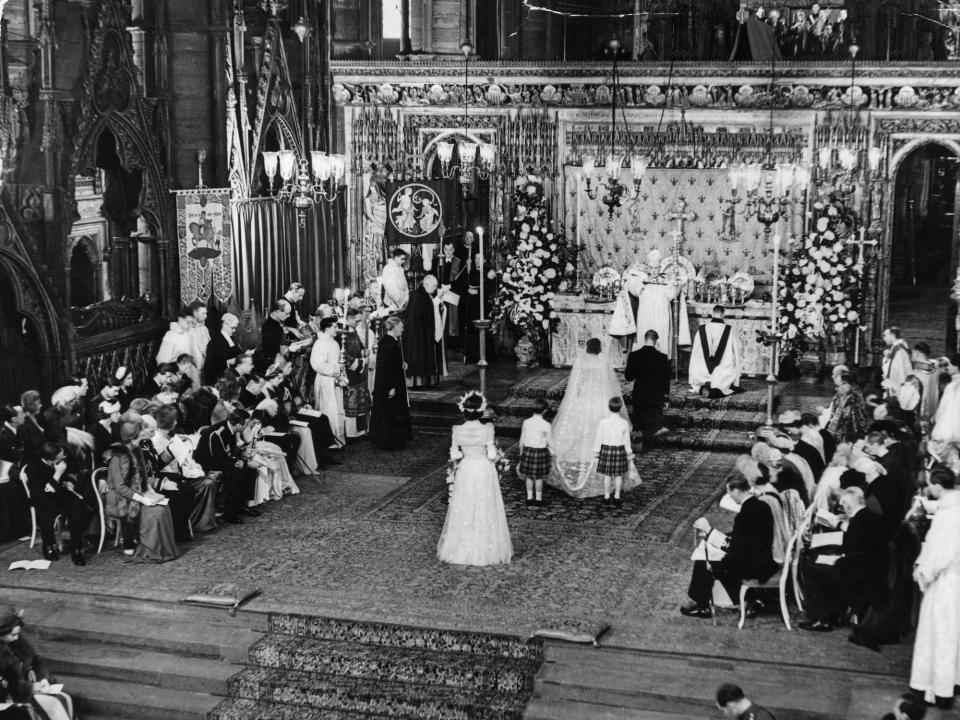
<point>706,551</point>
<point>826,539</point>
<point>30,565</point>
<point>827,559</point>
<point>47,688</point>
<point>450,297</point>
<point>5,471</point>
<point>310,413</point>
<point>827,518</point>
<point>728,503</point>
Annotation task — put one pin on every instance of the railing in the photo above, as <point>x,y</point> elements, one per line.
<point>97,357</point>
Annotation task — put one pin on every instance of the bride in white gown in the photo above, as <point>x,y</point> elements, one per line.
<point>591,385</point>
<point>475,531</point>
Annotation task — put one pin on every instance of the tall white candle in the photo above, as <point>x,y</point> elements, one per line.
<point>483,312</point>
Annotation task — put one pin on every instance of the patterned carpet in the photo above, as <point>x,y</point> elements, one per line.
<point>360,543</point>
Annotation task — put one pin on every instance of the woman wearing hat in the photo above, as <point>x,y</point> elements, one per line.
<point>123,380</point>
<point>26,676</point>
<point>133,499</point>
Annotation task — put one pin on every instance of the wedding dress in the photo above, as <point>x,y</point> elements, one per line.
<point>591,385</point>
<point>475,531</point>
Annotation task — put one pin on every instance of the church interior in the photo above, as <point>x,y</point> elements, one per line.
<point>495,359</point>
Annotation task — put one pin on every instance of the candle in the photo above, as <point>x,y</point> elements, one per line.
<point>776,290</point>
<point>483,313</point>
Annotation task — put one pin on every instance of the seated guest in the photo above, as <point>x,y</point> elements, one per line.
<point>748,548</point>
<point>784,477</point>
<point>123,380</point>
<point>227,393</point>
<point>132,498</point>
<point>189,380</point>
<point>855,579</point>
<point>53,492</point>
<point>241,369</point>
<point>220,449</point>
<point>31,431</point>
<point>827,496</point>
<point>106,430</point>
<point>735,706</point>
<point>15,511</point>
<point>881,492</point>
<point>883,445</point>
<point>814,436</point>
<point>784,523</point>
<point>268,458</point>
<point>221,350</point>
<point>170,483</point>
<point>167,372</point>
<point>174,458</point>
<point>806,444</point>
<point>25,675</point>
<point>252,391</point>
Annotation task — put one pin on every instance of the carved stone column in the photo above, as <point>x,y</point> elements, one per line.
<point>138,37</point>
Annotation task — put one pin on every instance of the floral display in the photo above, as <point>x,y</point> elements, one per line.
<point>820,284</point>
<point>537,261</point>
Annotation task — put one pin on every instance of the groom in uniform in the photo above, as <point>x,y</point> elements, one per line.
<point>715,360</point>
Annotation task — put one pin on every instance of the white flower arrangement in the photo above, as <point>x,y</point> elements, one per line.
<point>819,289</point>
<point>534,267</point>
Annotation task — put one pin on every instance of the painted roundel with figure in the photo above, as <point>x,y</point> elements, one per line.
<point>415,210</point>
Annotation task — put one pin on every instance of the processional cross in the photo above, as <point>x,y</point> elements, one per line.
<point>859,240</point>
<point>679,213</point>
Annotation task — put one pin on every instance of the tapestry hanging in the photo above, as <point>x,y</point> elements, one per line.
<point>204,240</point>
<point>415,213</point>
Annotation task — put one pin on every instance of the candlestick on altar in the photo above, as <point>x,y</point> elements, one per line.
<point>860,242</point>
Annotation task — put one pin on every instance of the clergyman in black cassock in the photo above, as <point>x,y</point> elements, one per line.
<point>422,340</point>
<point>390,425</point>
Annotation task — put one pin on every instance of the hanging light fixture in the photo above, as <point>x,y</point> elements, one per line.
<point>613,191</point>
<point>303,183</point>
<point>472,155</point>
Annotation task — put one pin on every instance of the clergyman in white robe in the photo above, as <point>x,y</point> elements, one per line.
<point>325,360</point>
<point>936,650</point>
<point>711,364</point>
<point>644,306</point>
<point>396,292</point>
<point>946,423</point>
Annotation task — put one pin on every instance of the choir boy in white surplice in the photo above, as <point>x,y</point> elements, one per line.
<point>646,303</point>
<point>716,358</point>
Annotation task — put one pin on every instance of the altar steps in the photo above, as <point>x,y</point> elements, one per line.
<point>310,668</point>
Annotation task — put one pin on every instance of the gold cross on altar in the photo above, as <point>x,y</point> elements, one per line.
<point>680,213</point>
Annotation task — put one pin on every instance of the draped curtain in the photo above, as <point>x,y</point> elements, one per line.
<point>272,250</point>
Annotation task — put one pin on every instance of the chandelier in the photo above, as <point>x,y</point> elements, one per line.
<point>473,156</point>
<point>296,184</point>
<point>613,190</point>
<point>844,149</point>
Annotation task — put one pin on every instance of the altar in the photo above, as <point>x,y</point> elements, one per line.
<point>581,319</point>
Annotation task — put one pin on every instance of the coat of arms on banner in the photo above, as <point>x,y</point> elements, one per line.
<point>414,214</point>
<point>204,239</point>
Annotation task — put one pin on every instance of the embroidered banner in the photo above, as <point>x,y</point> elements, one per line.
<point>204,240</point>
<point>414,213</point>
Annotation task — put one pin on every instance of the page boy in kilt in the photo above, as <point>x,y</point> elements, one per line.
<point>613,450</point>
<point>535,441</point>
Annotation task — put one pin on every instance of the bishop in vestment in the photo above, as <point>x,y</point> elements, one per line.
<point>716,358</point>
<point>423,347</point>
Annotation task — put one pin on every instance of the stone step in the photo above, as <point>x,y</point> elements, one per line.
<point>171,636</point>
<point>51,601</point>
<point>375,662</point>
<point>120,700</point>
<point>682,685</point>
<point>409,700</point>
<point>403,636</point>
<point>136,665</point>
<point>245,709</point>
<point>556,709</point>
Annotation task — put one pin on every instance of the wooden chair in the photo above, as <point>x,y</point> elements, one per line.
<point>33,511</point>
<point>95,478</point>
<point>779,581</point>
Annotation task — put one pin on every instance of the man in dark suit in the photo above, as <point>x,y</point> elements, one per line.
<point>14,506</point>
<point>749,550</point>
<point>219,449</point>
<point>855,581</point>
<point>272,335</point>
<point>222,350</point>
<point>390,425</point>
<point>883,444</point>
<point>649,369</point>
<point>31,431</point>
<point>52,493</point>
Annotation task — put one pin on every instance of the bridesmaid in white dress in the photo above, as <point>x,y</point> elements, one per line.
<point>475,531</point>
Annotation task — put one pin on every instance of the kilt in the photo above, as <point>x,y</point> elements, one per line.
<point>613,460</point>
<point>534,463</point>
